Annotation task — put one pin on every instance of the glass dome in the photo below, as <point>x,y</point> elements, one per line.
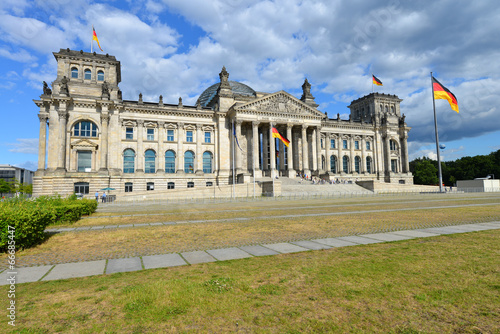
<point>237,88</point>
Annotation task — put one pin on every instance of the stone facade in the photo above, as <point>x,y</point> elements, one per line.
<point>97,140</point>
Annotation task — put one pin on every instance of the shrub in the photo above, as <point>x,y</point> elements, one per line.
<point>30,217</point>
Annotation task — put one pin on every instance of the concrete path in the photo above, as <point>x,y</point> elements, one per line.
<point>90,268</point>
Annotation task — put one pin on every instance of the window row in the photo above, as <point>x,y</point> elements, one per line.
<point>170,157</point>
<point>346,164</point>
<point>151,135</point>
<point>345,144</point>
<point>87,74</point>
<point>84,187</point>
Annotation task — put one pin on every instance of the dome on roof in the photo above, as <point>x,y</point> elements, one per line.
<point>237,88</point>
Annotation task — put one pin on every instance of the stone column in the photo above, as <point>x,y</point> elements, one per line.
<point>314,151</point>
<point>179,157</point>
<point>161,147</point>
<point>404,153</point>
<point>104,138</point>
<point>327,152</point>
<point>237,124</point>
<point>42,140</point>
<point>363,155</point>
<point>265,149</point>
<point>305,156</point>
<point>340,158</point>
<point>255,145</point>
<point>63,117</point>
<point>387,154</point>
<point>282,157</point>
<point>352,155</point>
<point>291,171</point>
<point>319,150</point>
<point>199,153</point>
<point>272,153</point>
<point>140,146</point>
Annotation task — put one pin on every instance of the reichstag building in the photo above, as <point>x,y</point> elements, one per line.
<point>98,140</point>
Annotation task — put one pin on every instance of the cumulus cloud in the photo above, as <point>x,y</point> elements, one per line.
<point>25,145</point>
<point>274,45</point>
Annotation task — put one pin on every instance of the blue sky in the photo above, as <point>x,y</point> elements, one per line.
<point>176,48</point>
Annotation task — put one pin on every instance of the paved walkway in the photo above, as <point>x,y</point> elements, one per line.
<point>90,268</point>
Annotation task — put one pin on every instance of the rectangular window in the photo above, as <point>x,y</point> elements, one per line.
<point>189,136</point>
<point>321,140</point>
<point>129,133</point>
<point>128,187</point>
<point>208,138</point>
<point>332,143</point>
<point>394,164</point>
<point>170,135</point>
<point>368,145</point>
<point>150,134</point>
<point>150,186</point>
<point>84,161</point>
<point>356,144</point>
<point>81,188</point>
<point>344,143</point>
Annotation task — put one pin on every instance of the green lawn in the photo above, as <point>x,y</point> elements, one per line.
<point>445,284</point>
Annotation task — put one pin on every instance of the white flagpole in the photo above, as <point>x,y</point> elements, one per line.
<point>234,176</point>
<point>437,139</point>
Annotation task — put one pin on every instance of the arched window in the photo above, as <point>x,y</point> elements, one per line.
<point>87,74</point>
<point>207,162</point>
<point>345,164</point>
<point>333,164</point>
<point>128,161</point>
<point>85,129</point>
<point>386,109</point>
<point>392,109</point>
<point>74,72</point>
<point>393,145</point>
<point>100,75</point>
<point>189,162</point>
<point>369,165</point>
<point>149,161</point>
<point>170,161</point>
<point>357,163</point>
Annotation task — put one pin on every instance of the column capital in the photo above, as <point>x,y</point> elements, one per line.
<point>238,122</point>
<point>161,124</point>
<point>63,114</point>
<point>180,125</point>
<point>140,122</point>
<point>199,126</point>
<point>255,123</point>
<point>43,117</point>
<point>304,127</point>
<point>104,117</point>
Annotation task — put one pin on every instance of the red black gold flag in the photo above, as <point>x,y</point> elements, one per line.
<point>94,37</point>
<point>376,81</point>
<point>276,134</point>
<point>441,92</point>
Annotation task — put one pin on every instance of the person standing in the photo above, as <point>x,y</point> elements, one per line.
<point>104,197</point>
<point>97,196</point>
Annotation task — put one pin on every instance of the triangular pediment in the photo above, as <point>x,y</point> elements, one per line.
<point>280,102</point>
<point>83,143</point>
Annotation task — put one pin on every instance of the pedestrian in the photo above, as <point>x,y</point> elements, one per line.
<point>97,196</point>
<point>103,197</point>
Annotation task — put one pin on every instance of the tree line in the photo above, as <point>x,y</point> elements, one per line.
<point>13,186</point>
<point>425,170</point>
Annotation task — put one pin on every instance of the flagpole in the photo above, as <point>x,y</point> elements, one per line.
<point>272,156</point>
<point>234,176</point>
<point>372,82</point>
<point>437,139</point>
<point>92,41</point>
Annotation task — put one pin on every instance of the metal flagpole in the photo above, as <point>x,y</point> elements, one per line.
<point>437,138</point>
<point>372,82</point>
<point>234,176</point>
<point>92,41</point>
<point>272,155</point>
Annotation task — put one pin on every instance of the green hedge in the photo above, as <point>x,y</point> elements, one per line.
<point>29,218</point>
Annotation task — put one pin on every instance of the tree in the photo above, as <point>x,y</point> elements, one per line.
<point>5,187</point>
<point>425,173</point>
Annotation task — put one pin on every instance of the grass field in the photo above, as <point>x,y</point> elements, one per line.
<point>445,284</point>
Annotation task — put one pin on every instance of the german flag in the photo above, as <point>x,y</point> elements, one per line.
<point>376,81</point>
<point>276,134</point>
<point>441,92</point>
<point>94,37</point>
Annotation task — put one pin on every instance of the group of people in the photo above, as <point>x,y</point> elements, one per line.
<point>103,197</point>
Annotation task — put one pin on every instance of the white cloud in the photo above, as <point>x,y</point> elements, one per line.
<point>25,145</point>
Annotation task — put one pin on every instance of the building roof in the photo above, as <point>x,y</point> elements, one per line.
<point>237,87</point>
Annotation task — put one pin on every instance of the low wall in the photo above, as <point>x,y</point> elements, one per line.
<point>225,191</point>
<point>382,187</point>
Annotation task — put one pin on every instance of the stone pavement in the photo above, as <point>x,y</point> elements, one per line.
<point>90,268</point>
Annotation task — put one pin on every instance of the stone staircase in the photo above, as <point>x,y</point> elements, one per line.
<point>298,187</point>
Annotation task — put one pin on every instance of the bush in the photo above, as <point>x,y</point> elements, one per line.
<point>28,218</point>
